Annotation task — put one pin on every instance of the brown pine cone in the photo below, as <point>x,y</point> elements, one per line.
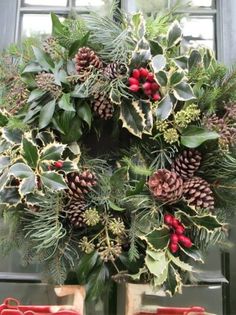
<point>80,183</point>
<point>115,69</point>
<point>74,211</point>
<point>197,193</point>
<point>187,163</point>
<point>103,106</point>
<point>166,186</point>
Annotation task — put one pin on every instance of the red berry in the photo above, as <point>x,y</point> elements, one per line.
<point>168,219</point>
<point>175,223</point>
<point>148,92</point>
<point>58,164</point>
<point>150,77</point>
<point>154,87</point>
<point>147,86</point>
<point>180,230</point>
<point>174,238</point>
<point>133,81</point>
<point>136,74</point>
<point>173,247</point>
<point>143,72</point>
<point>188,243</point>
<point>156,97</point>
<point>134,88</point>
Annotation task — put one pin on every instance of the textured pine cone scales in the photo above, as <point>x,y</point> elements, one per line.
<point>114,70</point>
<point>80,183</point>
<point>85,60</point>
<point>75,211</point>
<point>198,193</point>
<point>187,163</point>
<point>103,106</point>
<point>166,186</point>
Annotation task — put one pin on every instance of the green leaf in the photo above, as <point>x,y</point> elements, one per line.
<point>164,108</point>
<point>158,63</point>
<point>27,185</point>
<point>13,136</point>
<point>138,23</point>
<point>115,96</point>
<point>194,136</point>
<point>85,266</point>
<point>174,35</point>
<point>156,48</point>
<point>65,103</point>
<point>75,148</point>
<point>69,166</point>
<point>80,91</point>
<point>147,111</point>
<point>10,195</point>
<point>161,278</point>
<point>30,152</point>
<point>195,59</point>
<point>193,253</point>
<point>179,263</point>
<point>60,75</point>
<point>53,181</point>
<point>46,114</point>
<point>132,118</point>
<point>207,58</point>
<point>158,239</point>
<point>176,77</point>
<point>43,59</point>
<point>161,78</point>
<point>181,62</point>
<point>52,152</point>
<point>32,67</point>
<point>21,170</point>
<point>3,119</point>
<point>78,44</point>
<point>4,162</point>
<point>35,95</point>
<point>114,207</point>
<point>84,112</point>
<point>156,262</point>
<point>142,54</point>
<point>208,222</point>
<point>4,178</point>
<point>173,282</point>
<point>57,26</point>
<point>183,92</point>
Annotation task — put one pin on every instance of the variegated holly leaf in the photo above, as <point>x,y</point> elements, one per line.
<point>4,162</point>
<point>173,282</point>
<point>183,91</point>
<point>195,59</point>
<point>14,136</point>
<point>174,35</point>
<point>179,263</point>
<point>193,253</point>
<point>158,63</point>
<point>146,109</point>
<point>52,152</point>
<point>142,54</point>
<point>10,195</point>
<point>138,25</point>
<point>158,239</point>
<point>4,178</point>
<point>30,153</point>
<point>53,181</point>
<point>27,185</point>
<point>164,108</point>
<point>133,118</point>
<point>156,262</point>
<point>21,170</point>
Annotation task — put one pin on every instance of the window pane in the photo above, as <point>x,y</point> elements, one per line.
<point>198,31</point>
<point>45,2</point>
<point>196,3</point>
<point>101,6</point>
<point>151,5</point>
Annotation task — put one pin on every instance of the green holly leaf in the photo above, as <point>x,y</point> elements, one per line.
<point>161,78</point>
<point>158,239</point>
<point>21,170</point>
<point>158,63</point>
<point>193,253</point>
<point>14,136</point>
<point>179,263</point>
<point>173,282</point>
<point>194,136</point>
<point>208,222</point>
<point>65,103</point>
<point>183,92</point>
<point>164,108</point>
<point>174,35</point>
<point>10,195</point>
<point>27,185</point>
<point>53,181</point>
<point>156,262</point>
<point>52,152</point>
<point>176,77</point>
<point>181,62</point>
<point>46,114</point>
<point>30,152</point>
<point>4,178</point>
<point>4,162</point>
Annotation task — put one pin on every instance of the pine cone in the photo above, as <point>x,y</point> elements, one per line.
<point>115,69</point>
<point>198,193</point>
<point>187,163</point>
<point>46,82</point>
<point>85,61</point>
<point>103,106</point>
<point>166,186</point>
<point>80,183</point>
<point>74,211</point>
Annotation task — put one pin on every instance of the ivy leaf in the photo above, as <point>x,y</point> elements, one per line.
<point>161,78</point>
<point>43,59</point>
<point>133,118</point>
<point>194,136</point>
<point>46,114</point>
<point>179,263</point>
<point>158,239</point>
<point>183,92</point>
<point>4,162</point>
<point>173,282</point>
<point>52,152</point>
<point>53,181</point>
<point>30,153</point>
<point>195,59</point>
<point>65,103</point>
<point>176,77</point>
<point>164,108</point>
<point>158,63</point>
<point>84,112</point>
<point>27,185</point>
<point>21,170</point>
<point>174,35</point>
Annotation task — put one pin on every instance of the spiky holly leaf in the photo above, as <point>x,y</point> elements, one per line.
<point>142,54</point>
<point>10,195</point>
<point>14,136</point>
<point>164,108</point>
<point>138,24</point>
<point>147,111</point>
<point>181,62</point>
<point>174,35</point>
<point>52,152</point>
<point>179,263</point>
<point>176,77</point>
<point>193,253</point>
<point>133,118</point>
<point>173,282</point>
<point>21,170</point>
<point>27,185</point>
<point>158,239</point>
<point>156,262</point>
<point>208,222</point>
<point>30,152</point>
<point>53,181</point>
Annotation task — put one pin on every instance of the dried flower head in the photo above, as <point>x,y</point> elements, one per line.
<point>91,217</point>
<point>52,47</point>
<point>171,135</point>
<point>17,97</point>
<point>46,82</point>
<point>86,246</point>
<point>116,226</point>
<point>162,125</point>
<point>185,116</point>
<point>109,251</point>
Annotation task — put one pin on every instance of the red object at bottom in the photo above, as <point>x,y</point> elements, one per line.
<point>12,307</point>
<point>197,310</point>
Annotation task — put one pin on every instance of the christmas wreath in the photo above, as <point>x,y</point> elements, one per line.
<point>117,149</point>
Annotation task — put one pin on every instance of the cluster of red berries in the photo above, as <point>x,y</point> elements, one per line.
<point>177,235</point>
<point>56,165</point>
<point>143,80</point>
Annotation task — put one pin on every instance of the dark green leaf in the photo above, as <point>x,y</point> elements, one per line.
<point>31,115</point>
<point>182,62</point>
<point>52,152</point>
<point>32,67</point>
<point>65,103</point>
<point>158,239</point>
<point>84,112</point>
<point>46,114</point>
<point>53,181</point>
<point>86,265</point>
<point>57,26</point>
<point>174,35</point>
<point>207,58</point>
<point>78,44</point>
<point>158,63</point>
<point>208,222</point>
<point>114,207</point>
<point>164,108</point>
<point>97,281</point>
<point>43,59</point>
<point>161,77</point>
<point>183,92</point>
<point>176,77</point>
<point>156,48</point>
<point>35,95</point>
<point>194,136</point>
<point>12,135</point>
<point>30,153</point>
<point>172,284</point>
<point>21,170</point>
<point>3,119</point>
<point>195,59</point>
<point>193,253</point>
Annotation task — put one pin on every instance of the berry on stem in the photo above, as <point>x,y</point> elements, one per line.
<point>174,238</point>
<point>143,72</point>
<point>136,74</point>
<point>180,230</point>
<point>58,164</point>
<point>134,88</point>
<point>168,219</point>
<point>133,81</point>
<point>147,86</point>
<point>150,77</point>
<point>156,97</point>
<point>154,86</point>
<point>175,223</point>
<point>173,247</point>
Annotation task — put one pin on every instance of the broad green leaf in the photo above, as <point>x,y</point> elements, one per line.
<point>69,166</point>
<point>84,112</point>
<point>27,185</point>
<point>176,77</point>
<point>45,137</point>
<point>161,278</point>
<point>132,118</point>
<point>4,162</point>
<point>181,62</point>
<point>32,67</point>
<point>35,95</point>
<point>195,59</point>
<point>43,59</point>
<point>4,178</point>
<point>179,263</point>
<point>193,253</point>
<point>164,108</point>
<point>21,170</point>
<point>60,75</point>
<point>174,35</point>
<point>208,222</point>
<point>46,114</point>
<point>194,136</point>
<point>13,136</point>
<point>10,195</point>
<point>158,63</point>
<point>183,92</point>
<point>30,152</point>
<point>75,148</point>
<point>85,265</point>
<point>65,103</point>
<point>158,265</point>
<point>161,78</point>
<point>156,48</point>
<point>173,282</point>
<point>147,111</point>
<point>53,181</point>
<point>114,207</point>
<point>158,239</point>
<point>31,115</point>
<point>52,152</point>
<point>57,26</point>
<point>78,44</point>
<point>207,58</point>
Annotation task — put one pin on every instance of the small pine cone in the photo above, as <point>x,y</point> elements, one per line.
<point>75,213</point>
<point>85,61</point>
<point>114,70</point>
<point>46,82</point>
<point>187,163</point>
<point>80,183</point>
<point>197,193</point>
<point>166,186</point>
<point>103,106</point>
